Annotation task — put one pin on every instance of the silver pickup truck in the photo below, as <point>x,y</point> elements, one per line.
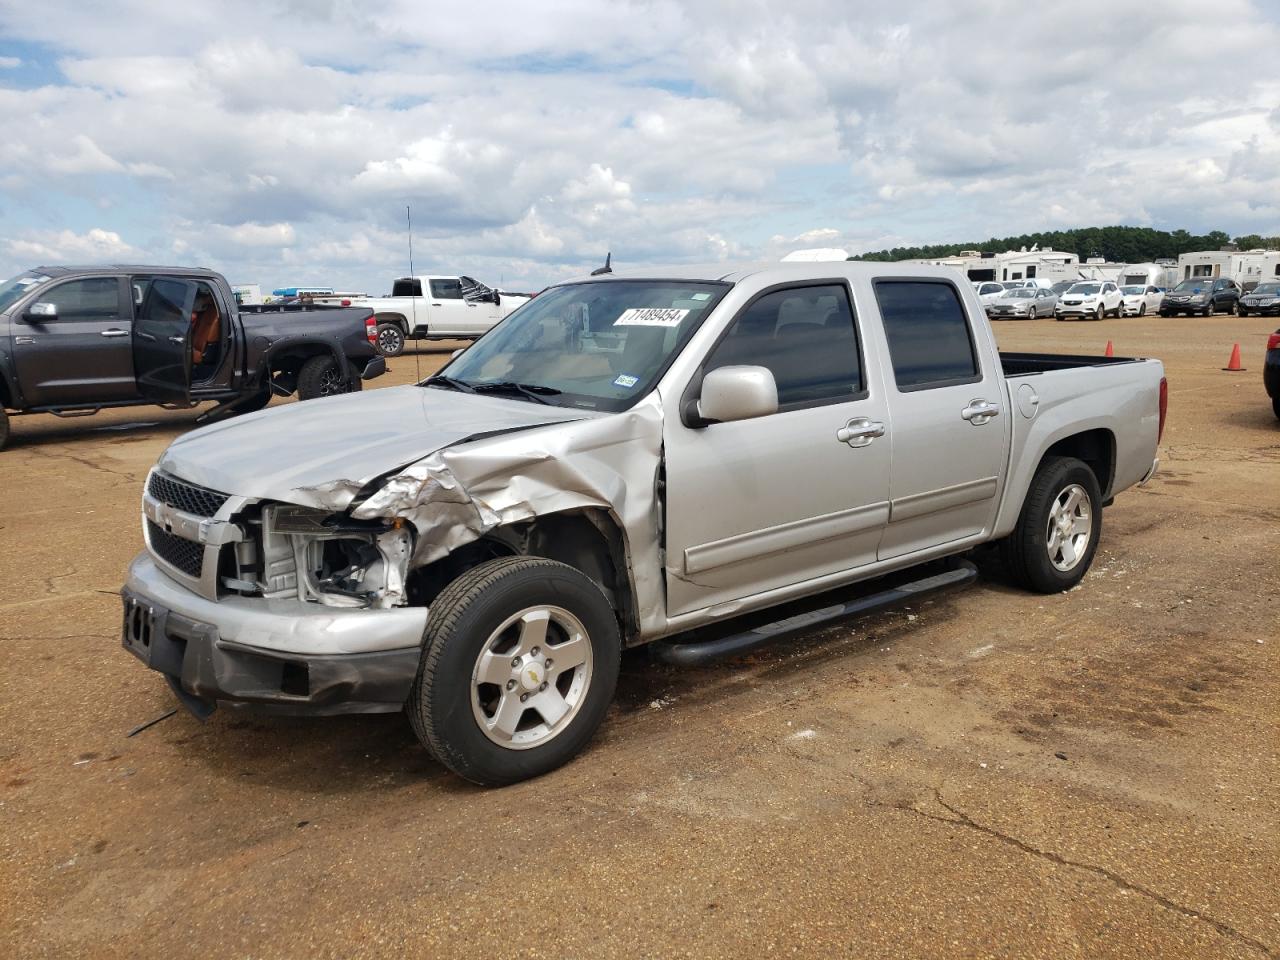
<point>707,458</point>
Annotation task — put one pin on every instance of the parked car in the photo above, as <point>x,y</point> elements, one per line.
<point>1139,299</point>
<point>988,290</point>
<point>1264,300</point>
<point>1201,295</point>
<point>1022,303</point>
<point>1062,286</point>
<point>74,340</point>
<point>454,308</point>
<point>1271,371</point>
<point>616,464</point>
<point>1092,299</point>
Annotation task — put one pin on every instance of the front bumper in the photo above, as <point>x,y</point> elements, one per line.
<point>1269,310</point>
<point>283,656</point>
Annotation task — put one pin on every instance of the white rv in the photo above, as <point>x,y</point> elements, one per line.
<point>1147,275</point>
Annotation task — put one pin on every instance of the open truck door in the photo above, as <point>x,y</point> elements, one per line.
<point>162,339</point>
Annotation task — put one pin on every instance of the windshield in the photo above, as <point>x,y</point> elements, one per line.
<point>1014,284</point>
<point>1086,288</point>
<point>598,345</point>
<point>14,290</point>
<point>1130,291</point>
<point>1062,287</point>
<point>1195,284</point>
<point>1267,289</point>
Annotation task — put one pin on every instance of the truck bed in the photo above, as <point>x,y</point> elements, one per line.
<point>1028,364</point>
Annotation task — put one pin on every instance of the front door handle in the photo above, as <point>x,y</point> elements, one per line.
<point>979,412</point>
<point>24,339</point>
<point>114,332</point>
<point>178,340</point>
<point>860,431</point>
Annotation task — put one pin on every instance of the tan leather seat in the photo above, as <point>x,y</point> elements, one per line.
<point>206,331</point>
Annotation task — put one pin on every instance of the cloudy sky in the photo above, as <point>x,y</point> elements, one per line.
<point>280,140</point>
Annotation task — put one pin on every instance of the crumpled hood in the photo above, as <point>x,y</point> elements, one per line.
<point>348,440</point>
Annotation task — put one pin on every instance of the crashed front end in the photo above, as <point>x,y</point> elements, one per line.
<point>302,601</point>
<point>289,607</point>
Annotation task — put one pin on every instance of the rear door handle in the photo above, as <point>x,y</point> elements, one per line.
<point>860,431</point>
<point>114,332</point>
<point>979,412</point>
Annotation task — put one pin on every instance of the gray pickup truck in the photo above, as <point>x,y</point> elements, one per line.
<point>705,458</point>
<point>74,340</point>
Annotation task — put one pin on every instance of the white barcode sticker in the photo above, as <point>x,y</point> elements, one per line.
<point>651,317</point>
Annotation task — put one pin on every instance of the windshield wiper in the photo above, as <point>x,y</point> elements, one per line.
<point>440,380</point>
<point>532,391</point>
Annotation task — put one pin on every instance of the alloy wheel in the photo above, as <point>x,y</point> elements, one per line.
<point>1070,527</point>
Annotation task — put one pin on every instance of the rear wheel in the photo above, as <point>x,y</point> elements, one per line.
<point>390,339</point>
<point>1275,408</point>
<point>1052,546</point>
<point>322,377</point>
<point>519,664</point>
<point>1231,308</point>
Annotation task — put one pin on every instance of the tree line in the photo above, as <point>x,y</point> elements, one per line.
<point>1116,244</point>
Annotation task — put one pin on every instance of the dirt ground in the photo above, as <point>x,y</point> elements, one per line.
<point>991,773</point>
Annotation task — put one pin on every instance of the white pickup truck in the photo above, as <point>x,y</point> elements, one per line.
<point>433,308</point>
<point>706,459</point>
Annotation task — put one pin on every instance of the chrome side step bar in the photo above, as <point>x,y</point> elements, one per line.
<point>694,652</point>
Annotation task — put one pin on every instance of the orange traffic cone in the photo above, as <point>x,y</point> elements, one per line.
<point>1233,365</point>
<point>1110,351</point>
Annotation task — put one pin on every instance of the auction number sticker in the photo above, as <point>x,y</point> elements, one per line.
<point>651,317</point>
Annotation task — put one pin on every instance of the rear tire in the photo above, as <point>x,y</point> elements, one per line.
<point>499,620</point>
<point>1275,408</point>
<point>321,377</point>
<point>390,339</point>
<point>1052,546</point>
<point>4,428</point>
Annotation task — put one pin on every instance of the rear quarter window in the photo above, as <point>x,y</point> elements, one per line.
<point>928,333</point>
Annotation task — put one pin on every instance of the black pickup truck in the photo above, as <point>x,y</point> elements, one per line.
<point>74,340</point>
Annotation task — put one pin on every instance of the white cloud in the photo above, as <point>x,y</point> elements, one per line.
<point>10,63</point>
<point>273,140</point>
<point>67,246</point>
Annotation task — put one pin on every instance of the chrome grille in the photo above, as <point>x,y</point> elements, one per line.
<point>185,555</point>
<point>187,497</point>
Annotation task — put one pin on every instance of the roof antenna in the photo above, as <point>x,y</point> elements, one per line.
<point>607,268</point>
<point>413,300</point>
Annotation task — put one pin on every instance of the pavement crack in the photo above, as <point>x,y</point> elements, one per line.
<point>960,818</point>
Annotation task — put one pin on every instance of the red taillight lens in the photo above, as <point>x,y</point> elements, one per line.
<point>371,330</point>
<point>1164,407</point>
<point>346,303</point>
<point>1273,341</point>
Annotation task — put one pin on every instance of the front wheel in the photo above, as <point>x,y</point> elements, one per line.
<point>1031,313</point>
<point>1142,309</point>
<point>1244,311</point>
<point>322,377</point>
<point>4,428</point>
<point>1052,546</point>
<point>519,663</point>
<point>1100,313</point>
<point>1275,406</point>
<point>390,339</point>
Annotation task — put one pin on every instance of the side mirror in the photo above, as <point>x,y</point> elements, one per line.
<point>40,312</point>
<point>737,393</point>
<point>457,353</point>
<point>497,298</point>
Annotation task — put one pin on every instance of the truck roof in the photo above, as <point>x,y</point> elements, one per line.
<point>773,270</point>
<point>62,270</point>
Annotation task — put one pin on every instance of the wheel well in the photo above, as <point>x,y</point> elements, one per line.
<point>395,318</point>
<point>1097,448</point>
<point>290,360</point>
<point>590,541</point>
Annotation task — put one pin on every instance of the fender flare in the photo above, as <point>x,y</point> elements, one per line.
<point>10,396</point>
<point>310,343</point>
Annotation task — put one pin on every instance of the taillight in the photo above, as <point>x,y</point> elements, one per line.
<point>1164,407</point>
<point>371,330</point>
<point>346,302</point>
<point>1273,341</point>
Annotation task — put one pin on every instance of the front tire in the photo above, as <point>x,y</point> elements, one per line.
<point>4,428</point>
<point>1142,309</point>
<point>519,663</point>
<point>1100,313</point>
<point>1275,406</point>
<point>1031,313</point>
<point>1052,546</point>
<point>390,339</point>
<point>321,376</point>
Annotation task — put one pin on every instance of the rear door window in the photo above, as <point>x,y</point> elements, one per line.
<point>928,333</point>
<point>446,289</point>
